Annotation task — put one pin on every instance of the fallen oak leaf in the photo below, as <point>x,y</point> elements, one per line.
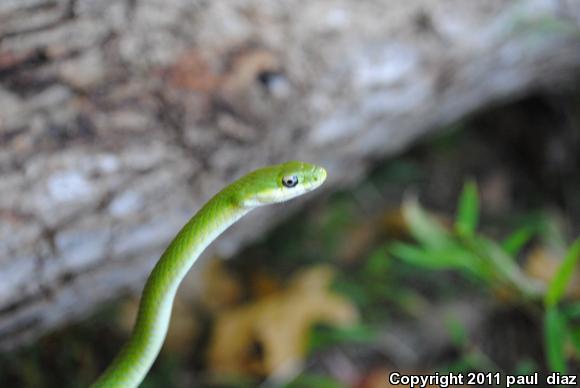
<point>262,337</point>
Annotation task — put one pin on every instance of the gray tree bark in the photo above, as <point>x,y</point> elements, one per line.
<point>119,118</point>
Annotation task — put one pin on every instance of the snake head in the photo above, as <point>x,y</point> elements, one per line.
<point>279,183</point>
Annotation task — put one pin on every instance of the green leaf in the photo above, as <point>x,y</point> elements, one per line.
<point>446,257</point>
<point>468,210</point>
<point>423,227</point>
<point>420,257</point>
<point>555,337</point>
<point>516,241</point>
<point>559,282</point>
<point>507,268</point>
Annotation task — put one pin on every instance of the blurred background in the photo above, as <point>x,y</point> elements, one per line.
<point>445,239</point>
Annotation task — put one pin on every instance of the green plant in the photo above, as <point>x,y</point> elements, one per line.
<point>462,249</point>
<point>557,321</point>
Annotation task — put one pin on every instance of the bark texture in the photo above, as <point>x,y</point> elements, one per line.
<point>119,118</point>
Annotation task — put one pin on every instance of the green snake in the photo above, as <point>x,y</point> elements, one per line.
<point>264,186</point>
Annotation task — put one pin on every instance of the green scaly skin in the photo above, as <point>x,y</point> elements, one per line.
<point>261,187</point>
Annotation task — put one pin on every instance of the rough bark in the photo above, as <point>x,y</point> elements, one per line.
<point>119,118</point>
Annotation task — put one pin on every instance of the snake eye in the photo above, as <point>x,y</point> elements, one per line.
<point>290,181</point>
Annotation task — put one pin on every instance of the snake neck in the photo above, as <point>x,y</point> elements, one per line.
<point>135,359</point>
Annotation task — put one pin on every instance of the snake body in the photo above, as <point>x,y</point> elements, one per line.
<point>264,186</point>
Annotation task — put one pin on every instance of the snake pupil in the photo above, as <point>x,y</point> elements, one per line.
<point>290,181</point>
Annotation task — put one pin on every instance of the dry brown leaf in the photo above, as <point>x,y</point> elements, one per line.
<point>263,284</point>
<point>263,336</point>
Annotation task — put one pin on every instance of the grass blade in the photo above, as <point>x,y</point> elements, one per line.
<point>423,227</point>
<point>555,337</point>
<point>467,211</point>
<point>516,241</point>
<point>559,282</point>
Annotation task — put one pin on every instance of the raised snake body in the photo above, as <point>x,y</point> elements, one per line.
<point>265,186</point>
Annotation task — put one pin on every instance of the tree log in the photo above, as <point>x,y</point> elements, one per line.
<point>119,118</point>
